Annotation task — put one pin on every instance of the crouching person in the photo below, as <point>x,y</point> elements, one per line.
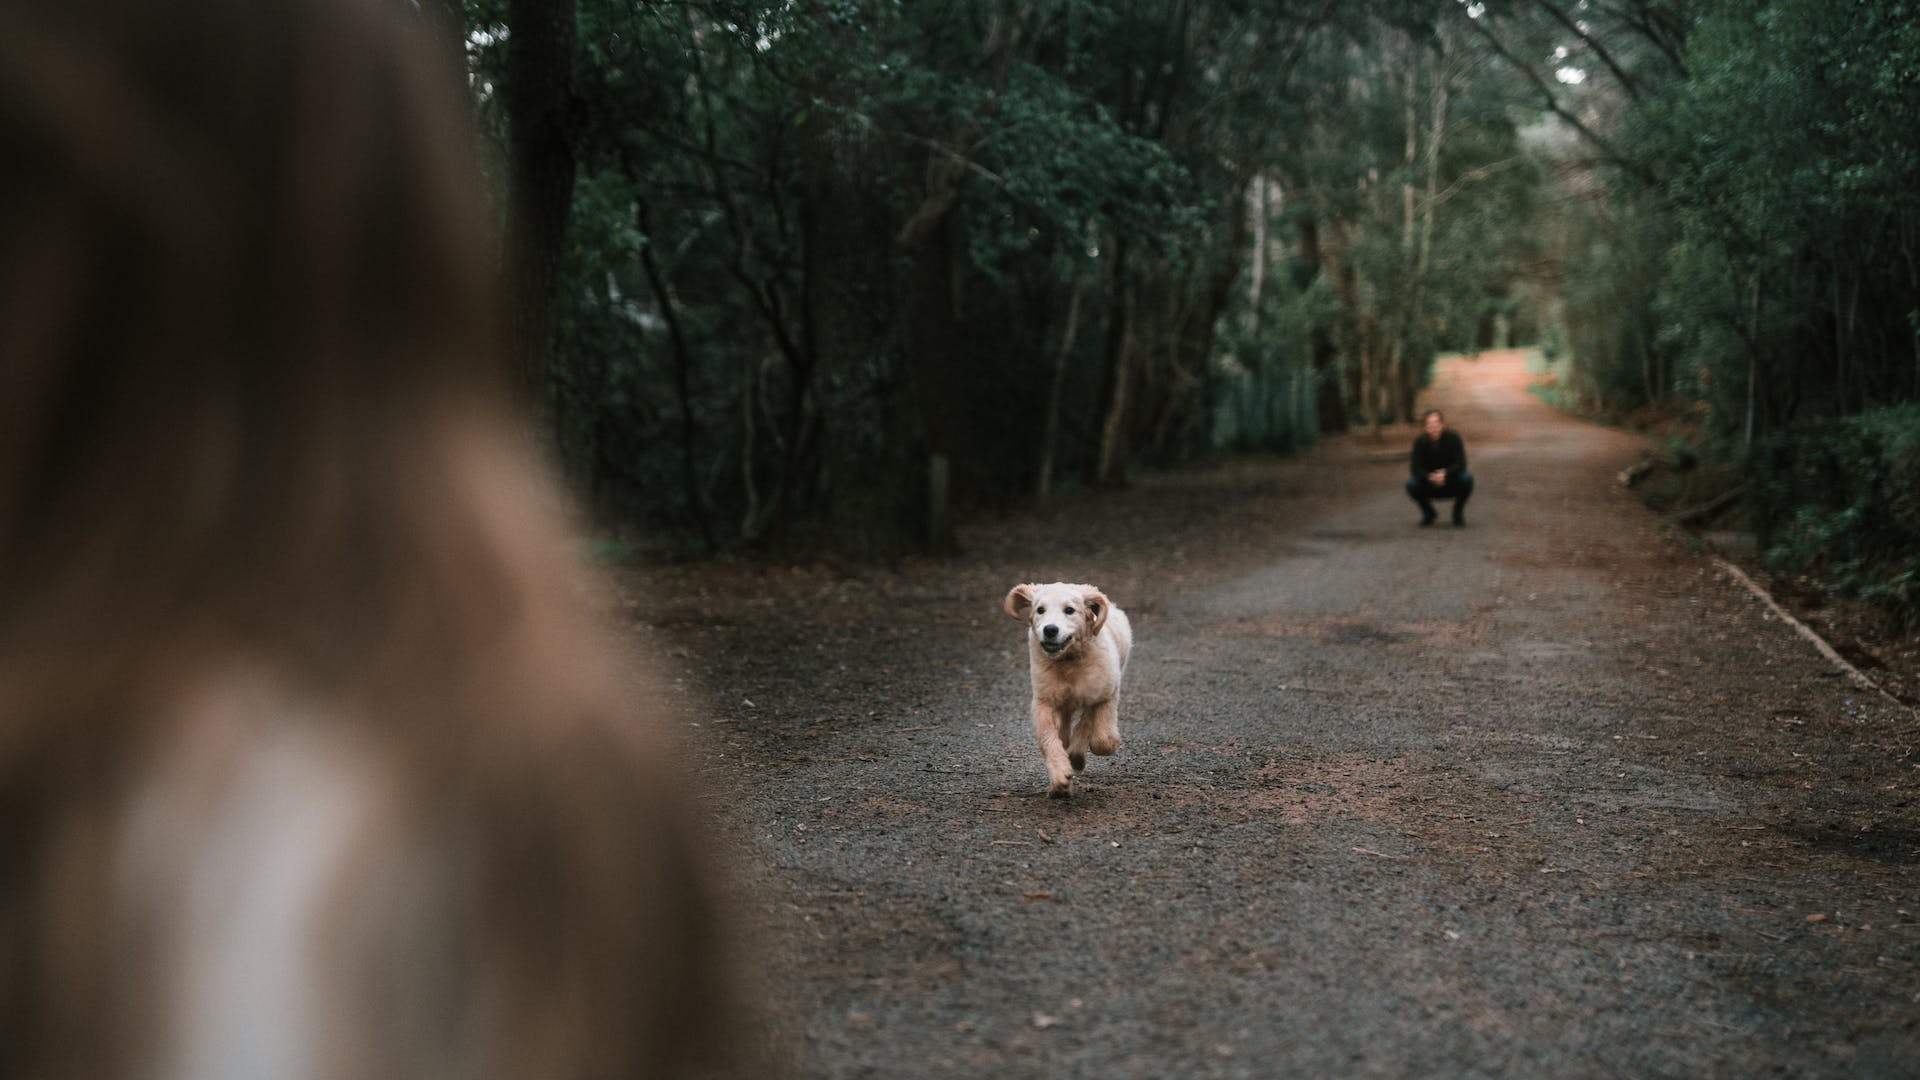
<point>1439,468</point>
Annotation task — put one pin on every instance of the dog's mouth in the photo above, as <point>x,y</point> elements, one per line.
<point>1056,647</point>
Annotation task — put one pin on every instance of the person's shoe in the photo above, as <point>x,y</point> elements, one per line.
<point>1428,520</point>
<point>1459,520</point>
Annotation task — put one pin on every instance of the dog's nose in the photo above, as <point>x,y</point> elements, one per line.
<point>1049,632</point>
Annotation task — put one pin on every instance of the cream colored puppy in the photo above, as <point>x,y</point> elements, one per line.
<point>1077,642</point>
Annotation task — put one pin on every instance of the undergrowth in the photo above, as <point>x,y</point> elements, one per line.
<point>1833,503</point>
<point>1839,502</point>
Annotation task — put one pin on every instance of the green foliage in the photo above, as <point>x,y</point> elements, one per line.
<point>1412,166</point>
<point>1053,164</point>
<point>814,244</point>
<point>1791,161</point>
<point>1556,380</point>
<point>1840,499</point>
<point>1554,346</point>
<point>1606,317</point>
<point>1264,381</point>
<point>1755,253</point>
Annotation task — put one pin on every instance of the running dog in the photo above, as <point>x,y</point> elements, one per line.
<point>1077,642</point>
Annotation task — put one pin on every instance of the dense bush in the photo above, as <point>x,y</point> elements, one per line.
<point>1840,500</point>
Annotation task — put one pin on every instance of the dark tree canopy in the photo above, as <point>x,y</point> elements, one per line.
<point>823,271</point>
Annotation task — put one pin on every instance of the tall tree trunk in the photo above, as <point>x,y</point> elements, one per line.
<point>1907,253</point>
<point>682,375</point>
<point>1436,138</point>
<point>753,519</point>
<point>1395,378</point>
<point>862,468</point>
<point>1646,369</point>
<point>1110,467</point>
<point>1839,343</point>
<point>1050,429</point>
<point>1753,360</point>
<point>1256,413</point>
<point>1416,325</point>
<point>1330,412</point>
<point>1356,329</point>
<point>538,96</point>
<point>1186,414</point>
<point>937,347</point>
<point>1257,285</point>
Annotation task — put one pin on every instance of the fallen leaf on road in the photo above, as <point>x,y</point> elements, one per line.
<point>1816,918</point>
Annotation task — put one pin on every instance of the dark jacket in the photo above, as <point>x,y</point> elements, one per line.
<point>1449,453</point>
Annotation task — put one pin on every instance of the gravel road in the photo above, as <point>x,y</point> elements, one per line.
<point>1546,795</point>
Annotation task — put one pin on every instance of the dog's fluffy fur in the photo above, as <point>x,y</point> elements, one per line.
<point>1077,642</point>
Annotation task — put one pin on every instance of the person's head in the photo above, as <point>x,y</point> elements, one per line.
<point>243,295</point>
<point>254,428</point>
<point>1433,423</point>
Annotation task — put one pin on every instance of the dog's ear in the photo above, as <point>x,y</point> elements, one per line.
<point>1020,601</point>
<point>1097,605</point>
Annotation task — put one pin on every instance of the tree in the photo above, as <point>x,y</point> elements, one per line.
<point>538,96</point>
<point>826,265</point>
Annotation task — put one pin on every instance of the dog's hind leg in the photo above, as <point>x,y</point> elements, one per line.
<point>1104,719</point>
<point>1082,726</point>
<point>1047,725</point>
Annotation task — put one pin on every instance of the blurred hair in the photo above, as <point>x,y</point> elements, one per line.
<point>283,585</point>
<point>245,277</point>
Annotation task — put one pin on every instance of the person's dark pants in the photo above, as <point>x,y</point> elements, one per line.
<point>1459,488</point>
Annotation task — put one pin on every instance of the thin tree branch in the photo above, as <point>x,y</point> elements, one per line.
<point>1660,38</point>
<point>1626,81</point>
<point>1474,176</point>
<point>682,367</point>
<point>1553,105</point>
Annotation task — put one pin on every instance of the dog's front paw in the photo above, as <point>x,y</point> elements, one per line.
<point>1105,745</point>
<point>1061,788</point>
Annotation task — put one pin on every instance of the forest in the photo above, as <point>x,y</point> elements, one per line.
<point>792,274</point>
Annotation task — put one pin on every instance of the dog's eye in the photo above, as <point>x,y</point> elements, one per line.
<point>1067,610</point>
<point>1040,610</point>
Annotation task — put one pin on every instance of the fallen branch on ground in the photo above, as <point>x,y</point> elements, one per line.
<point>1705,511</point>
<point>1634,474</point>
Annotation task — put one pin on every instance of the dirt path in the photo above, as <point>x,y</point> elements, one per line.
<point>1544,795</point>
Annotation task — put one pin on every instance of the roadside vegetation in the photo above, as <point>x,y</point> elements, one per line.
<point>793,273</point>
<point>1745,276</point>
